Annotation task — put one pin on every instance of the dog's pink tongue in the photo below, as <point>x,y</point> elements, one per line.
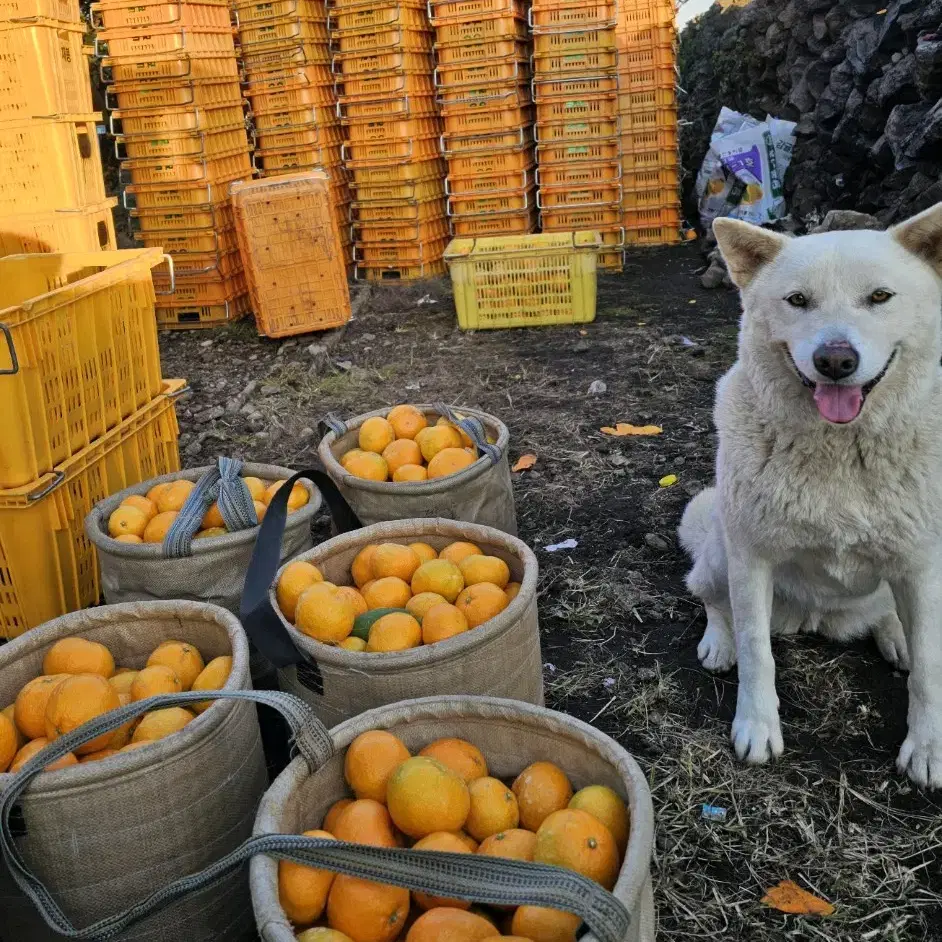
<point>838,403</point>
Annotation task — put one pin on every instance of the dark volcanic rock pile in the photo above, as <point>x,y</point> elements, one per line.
<point>863,80</point>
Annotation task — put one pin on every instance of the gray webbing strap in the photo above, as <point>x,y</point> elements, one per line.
<point>224,485</point>
<point>464,876</point>
<point>474,429</point>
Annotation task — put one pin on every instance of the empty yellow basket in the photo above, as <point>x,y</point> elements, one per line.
<point>524,281</point>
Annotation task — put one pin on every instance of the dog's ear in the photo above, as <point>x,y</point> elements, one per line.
<point>922,235</point>
<point>746,248</point>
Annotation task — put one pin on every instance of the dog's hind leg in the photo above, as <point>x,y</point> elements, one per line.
<point>888,634</point>
<point>717,648</point>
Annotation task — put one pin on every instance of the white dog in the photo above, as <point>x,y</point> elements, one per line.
<point>827,510</point>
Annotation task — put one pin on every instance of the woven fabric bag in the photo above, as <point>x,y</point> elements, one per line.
<point>481,493</point>
<point>511,735</point>
<point>103,834</point>
<point>212,571</point>
<point>500,658</point>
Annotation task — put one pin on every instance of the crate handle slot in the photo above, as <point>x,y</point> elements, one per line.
<point>173,278</point>
<point>14,361</point>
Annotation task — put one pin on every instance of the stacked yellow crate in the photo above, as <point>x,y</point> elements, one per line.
<point>52,193</point>
<point>285,52</point>
<point>484,92</point>
<point>383,64</point>
<point>85,414</point>
<point>179,130</point>
<point>647,100</point>
<point>575,88</point>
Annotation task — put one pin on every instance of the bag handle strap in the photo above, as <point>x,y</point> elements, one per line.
<point>472,427</point>
<point>491,880</point>
<point>261,622</point>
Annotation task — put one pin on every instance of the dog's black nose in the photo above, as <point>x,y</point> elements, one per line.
<point>836,360</point>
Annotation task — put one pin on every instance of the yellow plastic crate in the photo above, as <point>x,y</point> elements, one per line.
<point>524,281</point>
<point>47,564</point>
<point>78,353</point>
<point>64,230</point>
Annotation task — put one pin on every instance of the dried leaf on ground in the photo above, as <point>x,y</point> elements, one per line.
<point>524,462</point>
<point>789,897</point>
<point>626,428</point>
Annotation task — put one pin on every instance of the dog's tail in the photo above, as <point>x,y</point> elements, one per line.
<point>697,522</point>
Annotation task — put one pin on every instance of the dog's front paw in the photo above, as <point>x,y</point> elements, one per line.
<point>921,754</point>
<point>757,733</point>
<point>717,649</point>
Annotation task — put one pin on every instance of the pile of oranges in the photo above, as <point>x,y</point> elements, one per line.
<point>147,519</point>
<point>405,596</point>
<point>443,799</point>
<point>80,682</point>
<point>404,447</point>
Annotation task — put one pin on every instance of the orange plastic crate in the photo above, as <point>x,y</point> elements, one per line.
<point>653,235</point>
<point>379,16</point>
<point>648,198</point>
<point>296,160</point>
<point>400,272</point>
<point>305,136</point>
<point>490,225</point>
<point>478,184</point>
<point>578,86</point>
<point>482,30</point>
<point>505,71</point>
<point>293,254</point>
<point>61,230</point>
<point>408,253</point>
<point>274,99</point>
<point>664,139</point>
<point>132,44</point>
<point>444,11</point>
<point>169,66</point>
<point>391,152</point>
<point>182,94</point>
<point>392,62</point>
<point>377,42</point>
<point>366,87</point>
<point>561,17</point>
<point>48,164</point>
<point>490,51</point>
<point>400,172</point>
<point>65,11</point>
<point>512,202</point>
<point>224,265</point>
<point>199,316</point>
<point>259,62</point>
<point>175,197</point>
<point>643,59</point>
<point>553,65</point>
<point>464,144</point>
<point>578,130</point>
<point>581,42</point>
<point>484,98</point>
<point>316,76</point>
<point>371,109</point>
<point>295,29</point>
<point>305,116</point>
<point>260,12</point>
<point>643,14</point>
<point>207,216</point>
<point>634,38</point>
<point>366,234</point>
<point>181,170</point>
<point>393,131</point>
<point>204,288</point>
<point>589,151</point>
<point>570,197</point>
<point>587,108</point>
<point>638,100</point>
<point>155,120</point>
<point>413,190</point>
<point>580,174</point>
<point>487,120</point>
<point>146,14</point>
<point>198,144</point>
<point>193,241</point>
<point>42,70</point>
<point>654,179</point>
<point>653,216</point>
<point>399,211</point>
<point>506,160</point>
<point>591,218</point>
<point>661,122</point>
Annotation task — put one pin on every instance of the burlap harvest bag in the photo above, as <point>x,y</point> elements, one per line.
<point>481,493</point>
<point>212,570</point>
<point>102,835</point>
<point>500,658</point>
<point>511,735</point>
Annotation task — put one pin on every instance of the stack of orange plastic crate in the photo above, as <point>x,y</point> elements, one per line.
<point>52,195</point>
<point>180,133</point>
<point>383,64</point>
<point>484,93</point>
<point>285,49</point>
<point>648,113</point>
<point>575,88</point>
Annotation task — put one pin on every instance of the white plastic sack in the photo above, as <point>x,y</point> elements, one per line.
<point>742,174</point>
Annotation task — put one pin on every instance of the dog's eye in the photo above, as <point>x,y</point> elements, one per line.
<point>797,299</point>
<point>881,296</point>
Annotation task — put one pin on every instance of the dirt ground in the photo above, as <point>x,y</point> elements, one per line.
<point>619,631</point>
